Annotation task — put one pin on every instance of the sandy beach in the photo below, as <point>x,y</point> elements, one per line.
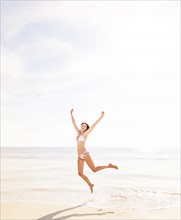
<point>45,211</point>
<point>38,187</point>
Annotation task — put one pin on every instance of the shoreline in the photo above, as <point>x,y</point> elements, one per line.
<point>50,211</point>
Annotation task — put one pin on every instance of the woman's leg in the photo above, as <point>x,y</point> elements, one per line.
<point>90,163</point>
<point>81,174</point>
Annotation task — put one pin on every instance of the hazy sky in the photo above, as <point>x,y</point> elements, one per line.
<point>122,57</point>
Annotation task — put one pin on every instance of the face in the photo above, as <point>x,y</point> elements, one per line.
<point>83,127</point>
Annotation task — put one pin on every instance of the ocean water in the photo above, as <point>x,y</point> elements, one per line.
<point>145,179</point>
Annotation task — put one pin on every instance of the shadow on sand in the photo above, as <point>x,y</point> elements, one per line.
<point>52,215</point>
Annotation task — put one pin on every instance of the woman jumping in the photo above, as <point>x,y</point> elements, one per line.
<point>83,155</point>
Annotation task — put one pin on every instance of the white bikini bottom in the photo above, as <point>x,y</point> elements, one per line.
<point>83,155</point>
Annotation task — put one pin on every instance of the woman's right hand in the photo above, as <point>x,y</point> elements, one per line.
<point>71,111</point>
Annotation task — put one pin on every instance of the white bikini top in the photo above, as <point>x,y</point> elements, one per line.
<point>81,138</point>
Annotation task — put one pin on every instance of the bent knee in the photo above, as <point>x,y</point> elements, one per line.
<point>94,170</point>
<point>80,174</point>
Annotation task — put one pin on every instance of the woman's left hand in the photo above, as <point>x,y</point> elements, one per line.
<point>102,114</point>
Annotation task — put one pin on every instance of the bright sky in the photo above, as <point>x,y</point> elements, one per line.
<point>121,57</point>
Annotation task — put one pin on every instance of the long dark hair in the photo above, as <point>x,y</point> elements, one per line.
<point>86,125</point>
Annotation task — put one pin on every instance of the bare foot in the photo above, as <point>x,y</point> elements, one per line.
<point>113,166</point>
<point>91,187</point>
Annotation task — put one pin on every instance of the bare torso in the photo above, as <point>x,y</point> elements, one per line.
<point>81,146</point>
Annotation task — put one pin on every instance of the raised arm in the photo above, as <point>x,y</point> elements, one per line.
<point>73,121</point>
<point>94,124</point>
